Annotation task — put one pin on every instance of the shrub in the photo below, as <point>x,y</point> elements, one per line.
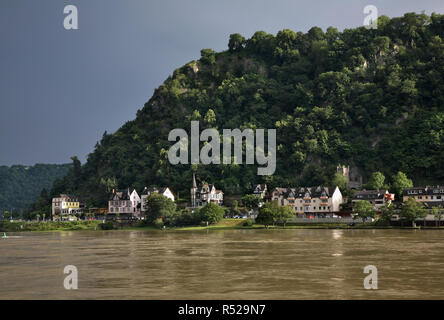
<point>248,222</point>
<point>158,223</point>
<point>107,225</point>
<point>211,213</point>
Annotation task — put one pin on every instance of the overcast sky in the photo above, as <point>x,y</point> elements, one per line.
<point>60,89</point>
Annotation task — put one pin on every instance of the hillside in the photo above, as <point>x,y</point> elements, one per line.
<point>373,99</point>
<point>21,185</point>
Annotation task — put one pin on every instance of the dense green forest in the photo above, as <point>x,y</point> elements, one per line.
<point>373,99</point>
<point>21,185</point>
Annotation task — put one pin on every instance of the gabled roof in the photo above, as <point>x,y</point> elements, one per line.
<point>429,190</point>
<point>370,194</point>
<point>147,191</point>
<point>301,192</point>
<point>121,194</point>
<point>71,197</point>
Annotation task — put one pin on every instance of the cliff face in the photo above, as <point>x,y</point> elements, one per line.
<point>333,98</point>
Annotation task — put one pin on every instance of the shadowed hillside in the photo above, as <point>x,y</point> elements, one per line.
<point>373,99</point>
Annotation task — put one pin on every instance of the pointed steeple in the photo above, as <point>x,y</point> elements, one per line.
<point>194,181</point>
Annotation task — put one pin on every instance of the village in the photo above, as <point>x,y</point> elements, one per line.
<point>308,204</point>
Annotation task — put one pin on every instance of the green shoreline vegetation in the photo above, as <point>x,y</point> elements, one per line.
<point>225,224</point>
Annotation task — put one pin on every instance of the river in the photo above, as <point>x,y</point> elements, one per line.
<point>224,264</point>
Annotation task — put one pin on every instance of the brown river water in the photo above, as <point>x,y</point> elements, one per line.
<point>224,264</point>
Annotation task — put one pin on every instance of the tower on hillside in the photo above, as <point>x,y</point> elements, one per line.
<point>353,176</point>
<point>345,171</point>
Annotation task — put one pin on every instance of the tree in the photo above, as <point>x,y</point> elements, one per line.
<point>364,210</point>
<point>411,211</point>
<point>400,182</point>
<point>271,212</point>
<point>236,42</point>
<point>284,213</point>
<point>251,201</point>
<point>387,212</point>
<point>340,181</point>
<point>210,118</point>
<point>211,213</point>
<point>208,56</point>
<point>437,213</point>
<point>266,214</point>
<point>376,181</point>
<point>109,184</point>
<point>7,215</point>
<point>157,205</point>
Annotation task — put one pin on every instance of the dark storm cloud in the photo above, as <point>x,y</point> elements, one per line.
<point>60,90</point>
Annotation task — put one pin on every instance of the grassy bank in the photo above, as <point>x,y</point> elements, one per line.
<point>6,226</point>
<point>224,224</point>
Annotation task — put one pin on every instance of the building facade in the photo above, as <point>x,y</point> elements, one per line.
<point>378,198</point>
<point>65,206</point>
<point>165,191</point>
<point>315,201</point>
<point>124,202</point>
<point>204,194</point>
<point>428,196</point>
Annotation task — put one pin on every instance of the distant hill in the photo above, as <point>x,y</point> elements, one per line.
<point>373,99</point>
<point>21,185</point>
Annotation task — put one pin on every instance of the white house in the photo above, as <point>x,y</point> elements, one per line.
<point>316,201</point>
<point>64,206</point>
<point>206,193</point>
<point>124,202</point>
<point>165,191</point>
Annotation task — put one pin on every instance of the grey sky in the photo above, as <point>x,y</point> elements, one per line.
<point>60,90</point>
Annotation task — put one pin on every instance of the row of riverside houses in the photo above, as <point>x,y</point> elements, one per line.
<point>326,201</point>
<point>312,201</point>
<point>319,201</point>
<point>128,203</point>
<point>430,196</point>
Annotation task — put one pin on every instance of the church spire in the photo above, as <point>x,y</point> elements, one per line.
<point>194,180</point>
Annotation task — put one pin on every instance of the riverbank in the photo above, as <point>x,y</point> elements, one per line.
<point>225,224</point>
<point>7,226</point>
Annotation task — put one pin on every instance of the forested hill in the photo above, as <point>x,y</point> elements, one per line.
<point>21,185</point>
<point>368,98</point>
